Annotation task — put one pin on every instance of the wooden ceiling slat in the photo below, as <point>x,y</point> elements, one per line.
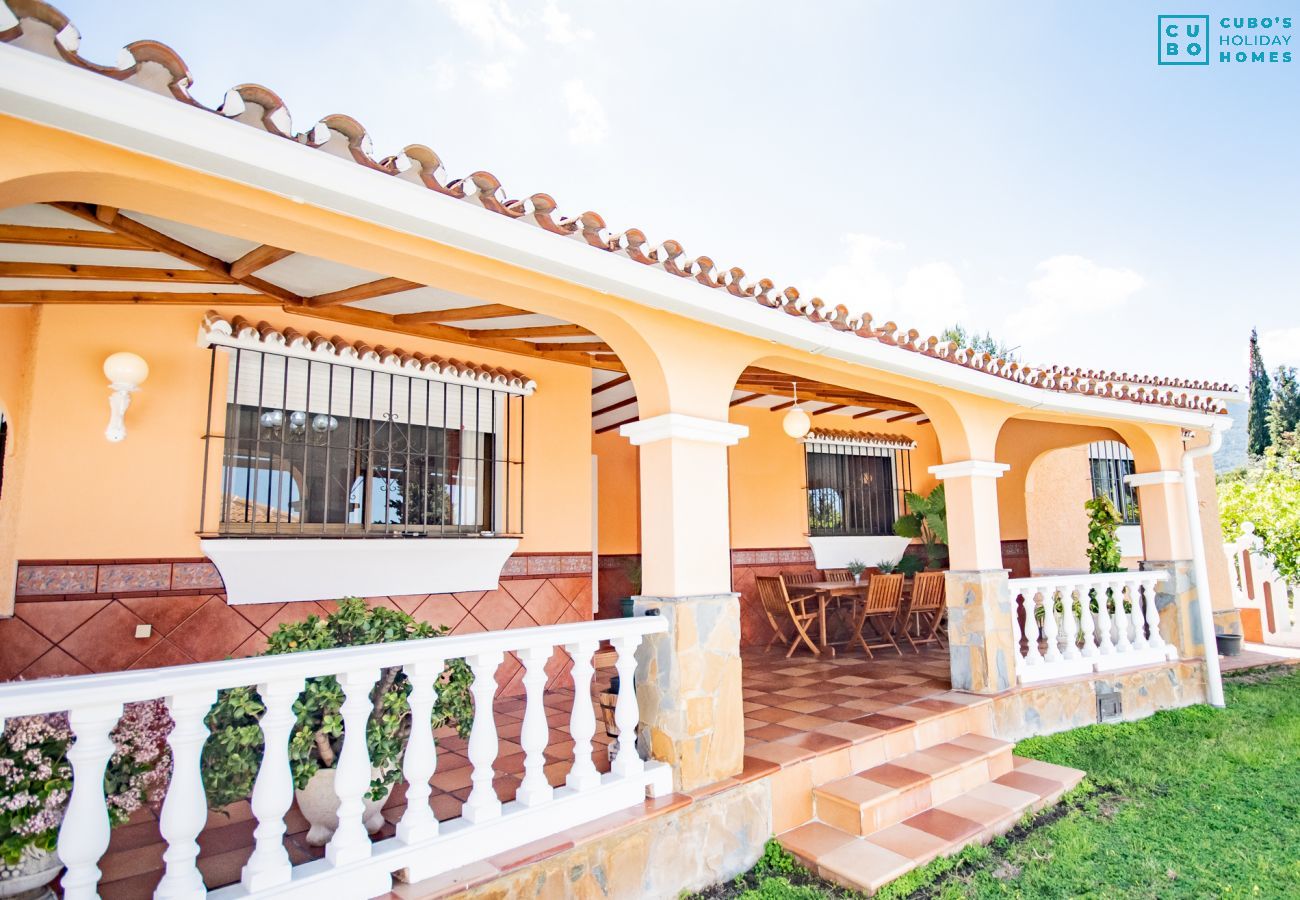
<point>582,346</point>
<point>604,428</point>
<point>460,314</point>
<point>66,237</point>
<point>163,298</point>
<point>830,409</point>
<point>380,288</point>
<point>613,406</point>
<point>740,401</point>
<point>612,383</point>
<point>892,419</point>
<point>870,412</point>
<point>533,332</point>
<point>257,258</point>
<point>110,273</point>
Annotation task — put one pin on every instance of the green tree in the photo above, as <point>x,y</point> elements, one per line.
<point>985,343</point>
<point>1267,493</point>
<point>1284,408</point>
<point>1257,432</point>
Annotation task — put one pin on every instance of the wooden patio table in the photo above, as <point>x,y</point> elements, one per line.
<point>825,592</point>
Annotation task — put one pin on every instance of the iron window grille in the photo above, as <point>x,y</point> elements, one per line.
<point>317,448</point>
<point>1109,462</point>
<point>855,488</point>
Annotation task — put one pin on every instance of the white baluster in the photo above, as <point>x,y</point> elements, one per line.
<point>185,808</point>
<point>350,842</point>
<point>1071,623</point>
<point>1156,639</point>
<point>534,789</point>
<point>626,713</point>
<point>1033,656</point>
<point>1017,628</point>
<point>582,719</point>
<point>419,763</point>
<point>1134,589</point>
<point>483,803</point>
<point>1050,630</point>
<point>1087,625</point>
<point>83,837</point>
<point>1105,644</point>
<point>269,863</point>
<point>1122,619</point>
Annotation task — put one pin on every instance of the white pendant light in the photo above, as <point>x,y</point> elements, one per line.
<point>797,422</point>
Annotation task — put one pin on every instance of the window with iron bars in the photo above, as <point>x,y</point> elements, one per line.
<point>1109,462</point>
<point>855,488</point>
<point>318,448</point>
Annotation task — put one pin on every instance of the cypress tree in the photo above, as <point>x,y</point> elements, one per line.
<point>1284,408</point>
<point>1257,431</point>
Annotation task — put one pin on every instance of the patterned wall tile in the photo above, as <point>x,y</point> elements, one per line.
<point>202,576</point>
<point>56,579</point>
<point>114,579</point>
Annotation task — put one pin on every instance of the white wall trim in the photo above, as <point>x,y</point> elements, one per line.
<point>53,93</point>
<point>680,426</point>
<point>969,468</point>
<point>1146,479</point>
<point>270,570</point>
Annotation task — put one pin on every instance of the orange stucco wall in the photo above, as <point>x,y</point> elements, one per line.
<point>1057,486</point>
<point>619,511</point>
<point>86,498</point>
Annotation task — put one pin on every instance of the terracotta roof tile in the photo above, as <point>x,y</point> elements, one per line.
<point>153,66</point>
<point>867,438</point>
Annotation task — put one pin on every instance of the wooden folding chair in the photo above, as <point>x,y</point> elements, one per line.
<point>929,603</point>
<point>839,576</point>
<point>799,577</point>
<point>780,608</point>
<point>879,611</point>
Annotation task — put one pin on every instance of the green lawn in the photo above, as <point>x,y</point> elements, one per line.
<point>1188,803</point>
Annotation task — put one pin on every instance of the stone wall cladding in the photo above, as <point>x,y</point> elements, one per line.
<point>982,637</point>
<point>688,688</point>
<point>711,840</point>
<point>1176,599</point>
<point>66,623</point>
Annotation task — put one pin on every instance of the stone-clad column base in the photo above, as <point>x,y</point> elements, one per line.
<point>688,688</point>
<point>981,631</point>
<point>1177,599</point>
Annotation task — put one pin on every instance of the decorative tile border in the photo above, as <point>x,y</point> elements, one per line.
<point>773,557</point>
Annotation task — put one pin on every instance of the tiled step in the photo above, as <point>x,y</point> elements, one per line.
<point>975,815</point>
<point>908,784</point>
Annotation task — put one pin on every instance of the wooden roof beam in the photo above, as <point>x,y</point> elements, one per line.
<point>612,383</point>
<point>110,273</point>
<point>164,298</point>
<point>367,291</point>
<point>257,258</point>
<point>533,332</point>
<point>66,237</point>
<point>460,314</point>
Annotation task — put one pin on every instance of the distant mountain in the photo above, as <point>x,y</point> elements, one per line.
<point>1232,455</point>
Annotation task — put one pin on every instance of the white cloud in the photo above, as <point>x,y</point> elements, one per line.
<point>490,22</point>
<point>494,76</point>
<point>559,26</point>
<point>1280,347</point>
<point>444,75</point>
<point>588,125</point>
<point>1070,288</point>
<point>928,297</point>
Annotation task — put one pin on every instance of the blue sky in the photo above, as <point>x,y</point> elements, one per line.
<point>1025,167</point>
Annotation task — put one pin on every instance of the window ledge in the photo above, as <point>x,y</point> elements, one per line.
<point>280,570</point>
<point>837,551</point>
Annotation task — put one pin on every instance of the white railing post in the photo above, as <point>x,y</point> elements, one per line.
<point>483,803</point>
<point>1156,639</point>
<point>185,808</point>
<point>269,864</point>
<point>1050,629</point>
<point>420,759</point>
<point>1087,623</point>
<point>1122,619</point>
<point>1071,623</point>
<point>350,842</point>
<point>84,835</point>
<point>535,734</point>
<point>1134,591</point>
<point>1033,656</point>
<point>582,719</point>
<point>1106,644</point>
<point>626,713</point>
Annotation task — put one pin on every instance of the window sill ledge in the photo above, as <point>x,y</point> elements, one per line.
<point>837,551</point>
<point>280,570</point>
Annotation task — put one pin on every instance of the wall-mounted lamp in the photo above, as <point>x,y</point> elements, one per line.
<point>797,422</point>
<point>125,373</point>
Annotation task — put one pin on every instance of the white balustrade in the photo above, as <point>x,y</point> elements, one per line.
<point>1088,623</point>
<point>1257,585</point>
<point>354,864</point>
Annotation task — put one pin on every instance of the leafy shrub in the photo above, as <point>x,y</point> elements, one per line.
<point>927,519</point>
<point>1104,553</point>
<point>1267,493</point>
<point>233,753</point>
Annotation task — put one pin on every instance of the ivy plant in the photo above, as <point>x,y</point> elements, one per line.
<point>233,753</point>
<point>1104,553</point>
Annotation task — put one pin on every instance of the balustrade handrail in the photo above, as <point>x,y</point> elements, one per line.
<point>42,695</point>
<point>1040,581</point>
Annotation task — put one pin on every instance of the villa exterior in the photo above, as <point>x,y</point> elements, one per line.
<point>368,378</point>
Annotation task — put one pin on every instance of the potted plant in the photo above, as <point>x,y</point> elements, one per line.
<point>909,565</point>
<point>233,753</point>
<point>36,781</point>
<point>632,568</point>
<point>927,519</point>
<point>856,567</point>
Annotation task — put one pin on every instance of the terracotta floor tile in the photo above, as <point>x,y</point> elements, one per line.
<point>954,752</point>
<point>1033,784</point>
<point>1003,795</point>
<point>979,742</point>
<point>441,885</point>
<point>894,776</point>
<point>781,754</point>
<point>882,722</point>
<point>988,815</point>
<point>803,706</point>
<point>806,722</point>
<point>773,714</point>
<point>756,768</point>
<point>770,731</point>
<point>855,790</point>
<point>850,731</point>
<point>813,841</point>
<point>1066,776</point>
<point>945,825</point>
<point>817,742</point>
<point>918,846</point>
<point>864,864</point>
<point>531,852</point>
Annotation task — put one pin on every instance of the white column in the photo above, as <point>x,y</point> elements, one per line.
<point>582,719</point>
<point>185,808</point>
<point>534,789</point>
<point>269,864</point>
<point>483,803</point>
<point>1122,619</point>
<point>83,837</point>
<point>1156,639</point>
<point>974,533</point>
<point>350,842</point>
<point>626,716</point>
<point>421,758</point>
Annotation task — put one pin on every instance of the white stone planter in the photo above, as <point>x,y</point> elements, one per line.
<point>320,807</point>
<point>30,877</point>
